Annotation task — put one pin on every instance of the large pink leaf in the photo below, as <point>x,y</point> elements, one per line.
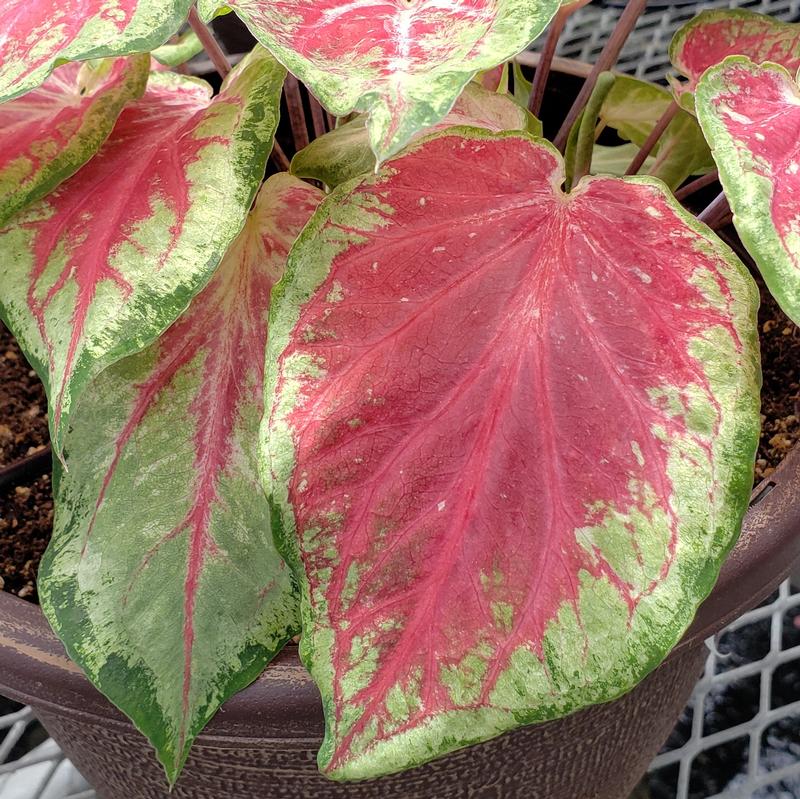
<point>102,265</point>
<point>510,440</point>
<point>751,117</point>
<point>36,35</point>
<point>162,578</point>
<point>52,131</point>
<point>403,63</point>
<point>713,35</point>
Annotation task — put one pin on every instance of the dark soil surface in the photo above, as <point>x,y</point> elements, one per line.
<point>26,509</point>
<point>780,396</point>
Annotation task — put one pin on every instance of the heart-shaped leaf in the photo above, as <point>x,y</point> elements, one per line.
<point>751,116</point>
<point>633,107</point>
<point>39,34</point>
<point>162,579</point>
<point>511,440</point>
<point>344,152</point>
<point>52,131</point>
<point>403,63</point>
<point>100,267</point>
<point>713,35</point>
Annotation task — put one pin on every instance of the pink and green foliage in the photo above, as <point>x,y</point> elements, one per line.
<point>712,36</point>
<point>162,579</point>
<point>508,443</point>
<point>163,199</point>
<point>497,438</point>
<point>751,117</point>
<point>402,63</point>
<point>52,131</point>
<point>40,34</point>
<point>344,153</point>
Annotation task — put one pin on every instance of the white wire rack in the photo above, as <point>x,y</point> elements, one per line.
<point>735,673</point>
<point>646,51</point>
<point>770,763</point>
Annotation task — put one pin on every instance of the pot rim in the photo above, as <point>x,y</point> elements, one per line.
<point>36,670</point>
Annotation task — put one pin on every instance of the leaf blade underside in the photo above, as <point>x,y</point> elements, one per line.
<point>162,578</point>
<point>102,265</point>
<point>715,34</point>
<point>751,117</point>
<point>52,131</point>
<point>344,152</point>
<point>404,64</point>
<point>468,562</point>
<point>39,34</point>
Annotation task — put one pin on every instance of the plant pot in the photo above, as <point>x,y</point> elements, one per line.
<point>264,740</point>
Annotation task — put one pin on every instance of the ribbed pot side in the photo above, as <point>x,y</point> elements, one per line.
<point>263,742</point>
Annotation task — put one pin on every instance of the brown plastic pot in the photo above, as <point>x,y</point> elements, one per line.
<point>263,742</point>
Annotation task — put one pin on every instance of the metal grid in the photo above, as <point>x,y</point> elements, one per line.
<point>646,51</point>
<point>44,772</point>
<point>770,768</point>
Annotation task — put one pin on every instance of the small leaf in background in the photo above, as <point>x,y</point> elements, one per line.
<point>404,64</point>
<point>633,107</point>
<point>615,160</point>
<point>162,579</point>
<point>510,442</point>
<point>345,152</point>
<point>52,131</point>
<point>177,53</point>
<point>39,34</point>
<point>101,266</point>
<point>494,79</point>
<point>713,35</point>
<point>751,116</point>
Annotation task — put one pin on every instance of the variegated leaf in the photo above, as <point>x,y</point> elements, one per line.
<point>40,34</point>
<point>713,35</point>
<point>510,441</point>
<point>345,152</point>
<point>100,267</point>
<point>52,131</point>
<point>402,63</point>
<point>162,579</point>
<point>751,116</point>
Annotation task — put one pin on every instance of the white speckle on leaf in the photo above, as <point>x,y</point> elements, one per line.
<point>441,505</point>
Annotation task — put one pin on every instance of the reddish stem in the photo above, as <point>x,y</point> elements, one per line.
<point>606,60</point>
<point>210,44</point>
<point>690,188</point>
<point>317,116</point>
<point>297,114</point>
<point>546,60</point>
<point>652,139</point>
<point>716,211</point>
<point>279,158</point>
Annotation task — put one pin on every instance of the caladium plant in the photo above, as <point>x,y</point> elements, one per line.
<point>477,422</point>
